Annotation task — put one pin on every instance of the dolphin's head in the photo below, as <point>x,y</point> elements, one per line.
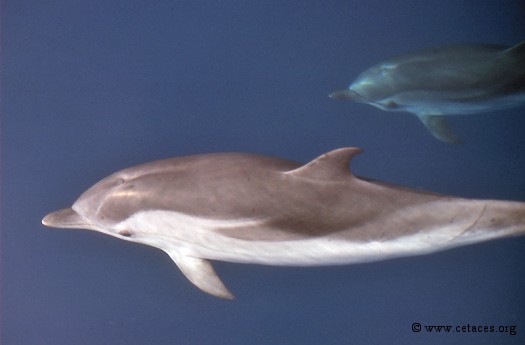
<point>100,203</point>
<point>120,196</point>
<point>99,208</point>
<point>376,86</point>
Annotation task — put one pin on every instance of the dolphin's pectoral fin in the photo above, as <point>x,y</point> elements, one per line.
<point>439,127</point>
<point>201,273</point>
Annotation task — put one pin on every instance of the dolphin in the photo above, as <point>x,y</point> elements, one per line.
<point>246,208</point>
<point>448,80</point>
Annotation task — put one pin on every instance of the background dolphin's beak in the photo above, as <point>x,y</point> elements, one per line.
<point>347,94</point>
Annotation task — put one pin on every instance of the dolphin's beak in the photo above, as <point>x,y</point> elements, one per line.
<point>347,94</point>
<point>65,218</point>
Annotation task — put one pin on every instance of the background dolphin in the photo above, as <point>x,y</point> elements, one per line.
<point>253,209</point>
<point>448,80</point>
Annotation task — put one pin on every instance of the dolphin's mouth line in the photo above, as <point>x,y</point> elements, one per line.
<point>348,94</point>
<point>360,98</point>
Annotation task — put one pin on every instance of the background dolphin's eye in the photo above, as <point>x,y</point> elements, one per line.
<point>391,104</point>
<point>385,70</point>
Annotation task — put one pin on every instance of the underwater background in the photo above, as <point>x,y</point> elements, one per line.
<point>91,87</point>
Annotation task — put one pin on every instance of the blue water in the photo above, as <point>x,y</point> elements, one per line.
<point>91,87</point>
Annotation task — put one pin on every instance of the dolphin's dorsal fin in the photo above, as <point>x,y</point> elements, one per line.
<point>201,273</point>
<point>333,164</point>
<point>439,127</point>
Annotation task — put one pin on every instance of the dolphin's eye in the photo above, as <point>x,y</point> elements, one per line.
<point>385,70</point>
<point>391,104</point>
<point>119,181</point>
<point>125,233</point>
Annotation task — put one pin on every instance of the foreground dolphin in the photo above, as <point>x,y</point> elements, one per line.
<point>449,80</point>
<point>254,209</point>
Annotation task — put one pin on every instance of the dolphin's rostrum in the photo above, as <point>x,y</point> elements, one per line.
<point>254,209</point>
<point>448,80</point>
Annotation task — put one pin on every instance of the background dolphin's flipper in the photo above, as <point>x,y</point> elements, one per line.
<point>439,127</point>
<point>517,50</point>
<point>201,273</point>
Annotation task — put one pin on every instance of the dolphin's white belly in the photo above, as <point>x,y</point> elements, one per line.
<point>435,102</point>
<point>195,237</point>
